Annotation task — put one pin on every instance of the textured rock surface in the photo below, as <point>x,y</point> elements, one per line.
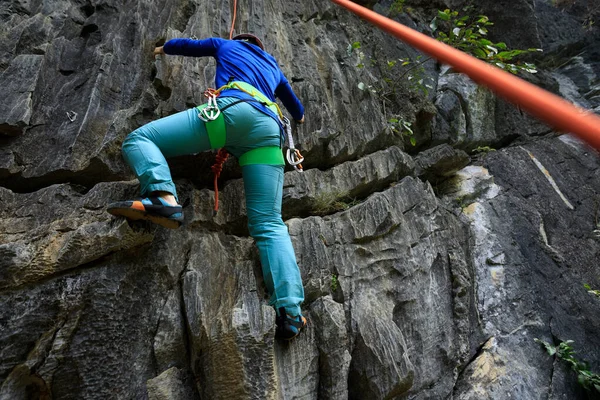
<point>427,275</point>
<point>533,248</point>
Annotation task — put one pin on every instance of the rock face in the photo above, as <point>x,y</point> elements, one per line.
<point>428,269</point>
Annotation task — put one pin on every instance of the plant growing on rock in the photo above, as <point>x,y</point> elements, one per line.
<point>592,291</point>
<point>334,282</point>
<point>482,149</point>
<point>394,74</point>
<point>331,202</point>
<point>403,128</point>
<point>397,77</point>
<point>469,33</point>
<point>565,352</point>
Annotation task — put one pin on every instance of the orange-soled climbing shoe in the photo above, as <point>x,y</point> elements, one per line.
<point>288,327</point>
<point>153,209</point>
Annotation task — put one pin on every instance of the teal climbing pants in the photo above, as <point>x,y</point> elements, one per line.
<point>147,148</point>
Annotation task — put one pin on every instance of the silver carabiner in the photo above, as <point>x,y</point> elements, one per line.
<point>292,155</point>
<point>211,112</point>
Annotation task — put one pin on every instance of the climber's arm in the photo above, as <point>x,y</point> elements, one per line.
<point>289,99</point>
<point>190,47</point>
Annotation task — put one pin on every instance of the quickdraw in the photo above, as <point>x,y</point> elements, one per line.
<point>292,155</point>
<point>211,112</point>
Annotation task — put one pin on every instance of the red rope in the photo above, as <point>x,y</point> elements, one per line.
<point>233,19</point>
<point>222,154</point>
<point>216,169</point>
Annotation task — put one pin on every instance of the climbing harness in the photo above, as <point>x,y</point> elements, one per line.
<point>214,122</point>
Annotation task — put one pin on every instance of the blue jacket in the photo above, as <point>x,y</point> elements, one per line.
<point>241,61</point>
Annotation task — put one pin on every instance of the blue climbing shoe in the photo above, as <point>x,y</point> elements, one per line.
<point>288,327</point>
<point>153,209</point>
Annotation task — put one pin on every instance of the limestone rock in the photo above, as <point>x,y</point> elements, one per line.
<point>425,278</point>
<point>169,386</point>
<point>441,162</point>
<point>468,118</point>
<point>56,229</point>
<point>19,82</point>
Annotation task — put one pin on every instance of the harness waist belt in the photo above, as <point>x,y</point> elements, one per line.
<point>257,94</point>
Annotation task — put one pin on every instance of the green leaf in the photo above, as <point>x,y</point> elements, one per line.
<point>405,63</point>
<point>588,287</point>
<point>492,49</point>
<point>444,15</point>
<point>480,53</point>
<point>413,141</point>
<point>356,45</point>
<point>501,45</point>
<point>433,25</point>
<point>393,120</point>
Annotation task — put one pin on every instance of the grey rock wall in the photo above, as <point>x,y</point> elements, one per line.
<point>428,269</point>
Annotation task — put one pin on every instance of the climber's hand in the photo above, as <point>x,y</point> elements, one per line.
<point>158,50</point>
<point>301,121</point>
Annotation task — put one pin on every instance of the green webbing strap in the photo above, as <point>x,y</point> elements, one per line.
<point>271,155</point>
<point>254,92</point>
<point>216,130</point>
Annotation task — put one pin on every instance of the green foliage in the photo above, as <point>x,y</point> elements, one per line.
<point>483,149</point>
<point>354,48</point>
<point>334,282</point>
<point>468,34</point>
<point>403,128</point>
<point>397,7</point>
<point>394,74</point>
<point>397,76</point>
<point>592,291</point>
<point>330,202</point>
<point>415,73</point>
<point>565,352</point>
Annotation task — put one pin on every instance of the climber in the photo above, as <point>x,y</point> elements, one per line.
<point>249,79</point>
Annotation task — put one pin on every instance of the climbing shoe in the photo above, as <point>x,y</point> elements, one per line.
<point>288,327</point>
<point>152,209</point>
